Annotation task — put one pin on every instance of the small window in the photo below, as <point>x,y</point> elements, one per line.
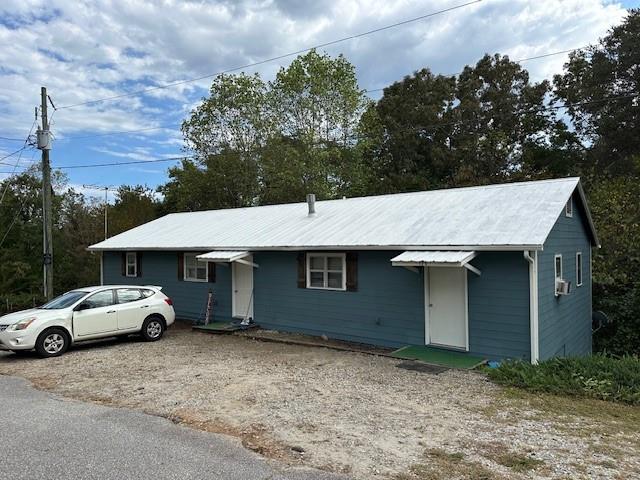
<point>100,299</point>
<point>326,271</point>
<point>558,267</point>
<point>194,270</point>
<point>146,293</point>
<point>568,208</point>
<point>126,295</point>
<point>579,269</point>
<point>132,264</point>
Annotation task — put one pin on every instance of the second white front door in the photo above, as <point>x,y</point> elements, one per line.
<point>447,309</point>
<point>242,284</point>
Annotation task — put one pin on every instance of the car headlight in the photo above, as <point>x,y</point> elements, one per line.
<point>22,324</point>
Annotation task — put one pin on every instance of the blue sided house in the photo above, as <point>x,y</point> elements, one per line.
<point>500,271</point>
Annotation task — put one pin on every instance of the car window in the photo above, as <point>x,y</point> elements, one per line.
<point>64,301</point>
<point>126,295</point>
<point>100,299</point>
<point>146,293</point>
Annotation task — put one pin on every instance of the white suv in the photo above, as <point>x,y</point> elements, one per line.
<point>87,314</point>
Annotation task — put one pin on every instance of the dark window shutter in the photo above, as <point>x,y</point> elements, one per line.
<point>180,266</point>
<point>302,270</point>
<point>138,264</point>
<point>211,272</point>
<point>124,264</point>
<point>352,271</point>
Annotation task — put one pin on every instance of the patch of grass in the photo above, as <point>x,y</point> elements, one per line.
<point>598,376</point>
<point>517,461</point>
<point>442,465</point>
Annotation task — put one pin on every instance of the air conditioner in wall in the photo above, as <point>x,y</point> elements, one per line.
<point>563,287</point>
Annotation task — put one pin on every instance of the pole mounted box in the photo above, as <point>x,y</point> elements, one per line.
<point>44,139</point>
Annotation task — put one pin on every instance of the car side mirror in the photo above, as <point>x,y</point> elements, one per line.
<point>81,306</point>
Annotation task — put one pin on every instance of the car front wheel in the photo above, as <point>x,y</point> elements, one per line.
<point>52,342</point>
<point>152,329</point>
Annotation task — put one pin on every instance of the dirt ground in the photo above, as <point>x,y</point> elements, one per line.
<point>359,414</point>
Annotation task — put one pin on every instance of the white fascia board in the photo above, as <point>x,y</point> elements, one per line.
<point>483,248</point>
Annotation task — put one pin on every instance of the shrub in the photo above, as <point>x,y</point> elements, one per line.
<point>599,376</point>
<point>16,302</point>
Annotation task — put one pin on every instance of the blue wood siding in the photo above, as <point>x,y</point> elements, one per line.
<point>565,321</point>
<point>387,309</point>
<point>499,306</point>
<point>161,268</point>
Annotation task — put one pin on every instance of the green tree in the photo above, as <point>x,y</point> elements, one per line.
<point>502,116</point>
<point>316,105</point>
<point>407,137</point>
<point>133,206</point>
<point>257,142</point>
<point>616,278</point>
<point>602,86</point>
<point>487,125</point>
<point>225,134</point>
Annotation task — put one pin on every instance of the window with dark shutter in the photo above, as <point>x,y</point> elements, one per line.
<point>138,264</point>
<point>302,270</point>
<point>211,272</point>
<point>180,266</point>
<point>352,271</point>
<point>124,264</point>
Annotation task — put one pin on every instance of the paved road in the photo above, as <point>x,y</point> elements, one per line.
<point>46,436</point>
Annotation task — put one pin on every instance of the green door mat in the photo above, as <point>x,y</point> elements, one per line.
<point>438,356</point>
<point>223,327</point>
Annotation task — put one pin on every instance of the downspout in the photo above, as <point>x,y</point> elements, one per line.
<point>533,304</point>
<point>101,267</point>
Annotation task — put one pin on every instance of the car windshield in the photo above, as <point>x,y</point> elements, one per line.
<point>64,301</point>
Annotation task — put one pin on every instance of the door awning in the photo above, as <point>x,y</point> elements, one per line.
<point>222,256</point>
<point>435,258</point>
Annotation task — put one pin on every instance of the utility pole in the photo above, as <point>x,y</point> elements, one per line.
<point>44,144</point>
<point>106,189</point>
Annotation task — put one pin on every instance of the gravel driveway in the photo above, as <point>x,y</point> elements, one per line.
<point>347,412</point>
<point>48,437</point>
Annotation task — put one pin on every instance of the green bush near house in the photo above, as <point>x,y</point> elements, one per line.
<point>599,376</point>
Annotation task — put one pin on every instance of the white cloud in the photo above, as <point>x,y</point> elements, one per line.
<point>105,48</point>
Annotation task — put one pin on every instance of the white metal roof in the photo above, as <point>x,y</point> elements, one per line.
<point>505,216</point>
<point>423,257</point>
<point>222,256</point>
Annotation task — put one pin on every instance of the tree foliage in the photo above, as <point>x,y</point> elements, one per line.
<point>257,142</point>
<point>313,130</point>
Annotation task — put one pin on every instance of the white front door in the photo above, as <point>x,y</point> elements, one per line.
<point>446,312</point>
<point>242,284</point>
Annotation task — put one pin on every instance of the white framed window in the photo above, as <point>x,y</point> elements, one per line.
<point>557,267</point>
<point>578,269</point>
<point>568,208</point>
<point>327,271</point>
<point>132,264</point>
<point>194,270</point>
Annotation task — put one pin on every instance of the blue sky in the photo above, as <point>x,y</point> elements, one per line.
<point>95,49</point>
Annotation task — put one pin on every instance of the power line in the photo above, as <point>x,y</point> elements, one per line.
<point>521,112</point>
<point>12,139</point>
<point>537,57</point>
<point>26,142</point>
<point>133,162</point>
<point>121,132</point>
<point>272,59</point>
<point>14,153</point>
<point>370,90</point>
<point>18,213</point>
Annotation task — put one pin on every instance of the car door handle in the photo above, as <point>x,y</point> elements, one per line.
<point>111,311</point>
<point>144,306</point>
